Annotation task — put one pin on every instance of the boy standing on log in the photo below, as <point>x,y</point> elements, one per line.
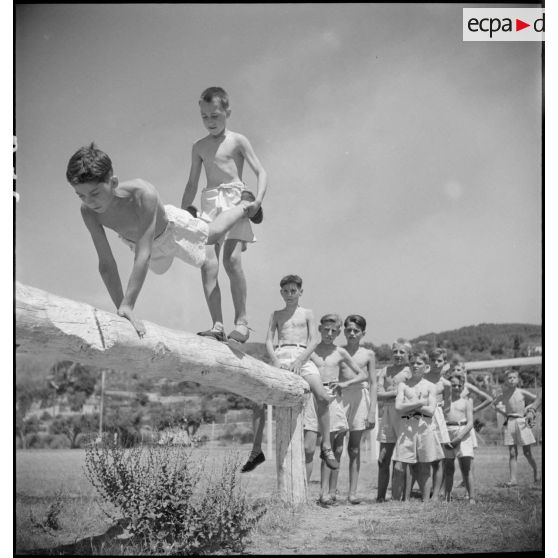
<point>155,232</point>
<point>223,153</point>
<point>296,340</point>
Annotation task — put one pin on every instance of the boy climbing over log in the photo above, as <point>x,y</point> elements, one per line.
<point>155,232</point>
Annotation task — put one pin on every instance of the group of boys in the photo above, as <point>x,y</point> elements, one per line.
<point>425,418</point>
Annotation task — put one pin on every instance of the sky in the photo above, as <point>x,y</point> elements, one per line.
<point>404,164</point>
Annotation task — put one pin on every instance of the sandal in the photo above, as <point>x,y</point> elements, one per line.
<point>329,458</point>
<point>217,334</point>
<point>257,218</point>
<point>240,333</point>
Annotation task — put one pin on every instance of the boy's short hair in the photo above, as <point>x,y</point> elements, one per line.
<point>438,351</point>
<point>356,319</point>
<point>88,164</point>
<point>422,354</point>
<point>509,371</point>
<point>216,92</point>
<point>459,376</point>
<point>291,279</point>
<point>402,343</point>
<point>331,318</point>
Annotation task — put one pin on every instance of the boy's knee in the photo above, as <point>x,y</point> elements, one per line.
<point>232,263</point>
<point>398,467</point>
<point>527,451</point>
<point>353,451</point>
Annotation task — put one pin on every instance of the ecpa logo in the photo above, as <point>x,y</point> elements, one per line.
<point>503,24</point>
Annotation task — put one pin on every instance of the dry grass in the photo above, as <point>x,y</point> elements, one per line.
<point>503,520</point>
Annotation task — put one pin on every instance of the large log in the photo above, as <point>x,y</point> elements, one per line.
<point>52,327</point>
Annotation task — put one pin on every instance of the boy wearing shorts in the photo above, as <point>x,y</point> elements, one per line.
<point>156,233</point>
<point>296,339</point>
<point>511,404</point>
<point>223,154</point>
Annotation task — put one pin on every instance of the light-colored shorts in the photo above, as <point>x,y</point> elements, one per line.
<point>474,438</point>
<point>416,442</point>
<point>439,426</point>
<point>517,433</point>
<point>388,428</point>
<point>287,354</point>
<point>337,417</point>
<point>185,237</point>
<point>226,196</point>
<point>466,446</point>
<point>356,404</point>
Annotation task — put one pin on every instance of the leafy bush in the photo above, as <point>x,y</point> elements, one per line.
<point>58,441</point>
<point>174,504</point>
<point>237,434</point>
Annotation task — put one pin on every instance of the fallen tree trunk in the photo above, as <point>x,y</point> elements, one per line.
<point>52,327</point>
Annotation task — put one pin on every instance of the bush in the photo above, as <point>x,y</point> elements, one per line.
<point>59,441</point>
<point>237,434</point>
<point>173,504</point>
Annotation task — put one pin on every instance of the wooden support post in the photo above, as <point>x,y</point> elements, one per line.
<point>51,327</point>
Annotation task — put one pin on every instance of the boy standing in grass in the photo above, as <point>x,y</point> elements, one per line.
<point>155,232</point>
<point>223,153</point>
<point>330,359</point>
<point>416,442</point>
<point>359,399</point>
<point>511,404</point>
<point>296,339</point>
<point>459,423</point>
<point>388,379</point>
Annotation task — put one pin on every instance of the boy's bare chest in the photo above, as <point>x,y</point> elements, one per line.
<point>221,154</point>
<point>419,390</point>
<point>392,379</point>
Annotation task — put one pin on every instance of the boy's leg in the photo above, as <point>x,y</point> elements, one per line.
<point>353,449</point>
<point>449,471</point>
<point>398,481</point>
<point>437,478</point>
<point>466,466</point>
<point>337,439</point>
<point>425,480</point>
<point>513,466</point>
<point>232,262</point>
<point>209,273</point>
<point>527,453</point>
<point>326,480</point>
<point>256,455</point>
<point>226,220</point>
<point>384,463</point>
<point>309,450</point>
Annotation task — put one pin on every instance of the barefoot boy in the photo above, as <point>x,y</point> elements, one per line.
<point>511,404</point>
<point>459,421</point>
<point>388,379</point>
<point>156,233</point>
<point>296,339</point>
<point>416,442</point>
<point>359,399</point>
<point>223,153</point>
<point>330,359</point>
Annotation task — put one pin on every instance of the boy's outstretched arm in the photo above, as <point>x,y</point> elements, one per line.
<point>468,427</point>
<point>256,166</point>
<point>269,342</point>
<point>313,341</point>
<point>147,201</point>
<point>361,373</point>
<point>193,179</point>
<point>371,418</point>
<point>107,264</point>
<point>487,399</point>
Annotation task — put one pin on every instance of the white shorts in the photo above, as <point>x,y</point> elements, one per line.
<point>439,426</point>
<point>226,196</point>
<point>416,442</point>
<point>465,448</point>
<point>388,428</point>
<point>185,237</point>
<point>337,417</point>
<point>356,404</point>
<point>517,433</point>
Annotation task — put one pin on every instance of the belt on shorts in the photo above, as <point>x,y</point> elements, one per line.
<point>513,416</point>
<point>327,384</point>
<point>291,345</point>
<point>461,422</point>
<point>415,415</point>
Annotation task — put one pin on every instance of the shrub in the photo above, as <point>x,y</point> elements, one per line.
<point>59,441</point>
<point>237,434</point>
<point>174,505</point>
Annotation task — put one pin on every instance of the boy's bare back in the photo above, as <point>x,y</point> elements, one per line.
<point>292,326</point>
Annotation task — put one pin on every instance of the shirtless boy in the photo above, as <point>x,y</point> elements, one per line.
<point>222,154</point>
<point>330,359</point>
<point>388,379</point>
<point>360,399</point>
<point>416,442</point>
<point>459,421</point>
<point>511,404</point>
<point>297,337</point>
<point>156,233</point>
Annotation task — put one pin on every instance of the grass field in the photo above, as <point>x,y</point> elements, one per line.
<point>503,520</point>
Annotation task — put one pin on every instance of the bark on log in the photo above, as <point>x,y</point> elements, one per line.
<point>54,327</point>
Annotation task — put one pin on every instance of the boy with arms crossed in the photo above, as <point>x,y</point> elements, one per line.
<point>416,442</point>
<point>330,358</point>
<point>459,423</point>
<point>222,154</point>
<point>511,404</point>
<point>156,233</point>
<point>296,339</point>
<point>388,379</point>
<point>359,399</point>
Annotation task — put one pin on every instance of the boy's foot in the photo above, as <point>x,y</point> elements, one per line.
<point>240,333</point>
<point>472,501</point>
<point>257,218</point>
<point>253,461</point>
<point>325,502</point>
<point>354,500</point>
<point>380,500</point>
<point>329,458</point>
<point>216,333</point>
